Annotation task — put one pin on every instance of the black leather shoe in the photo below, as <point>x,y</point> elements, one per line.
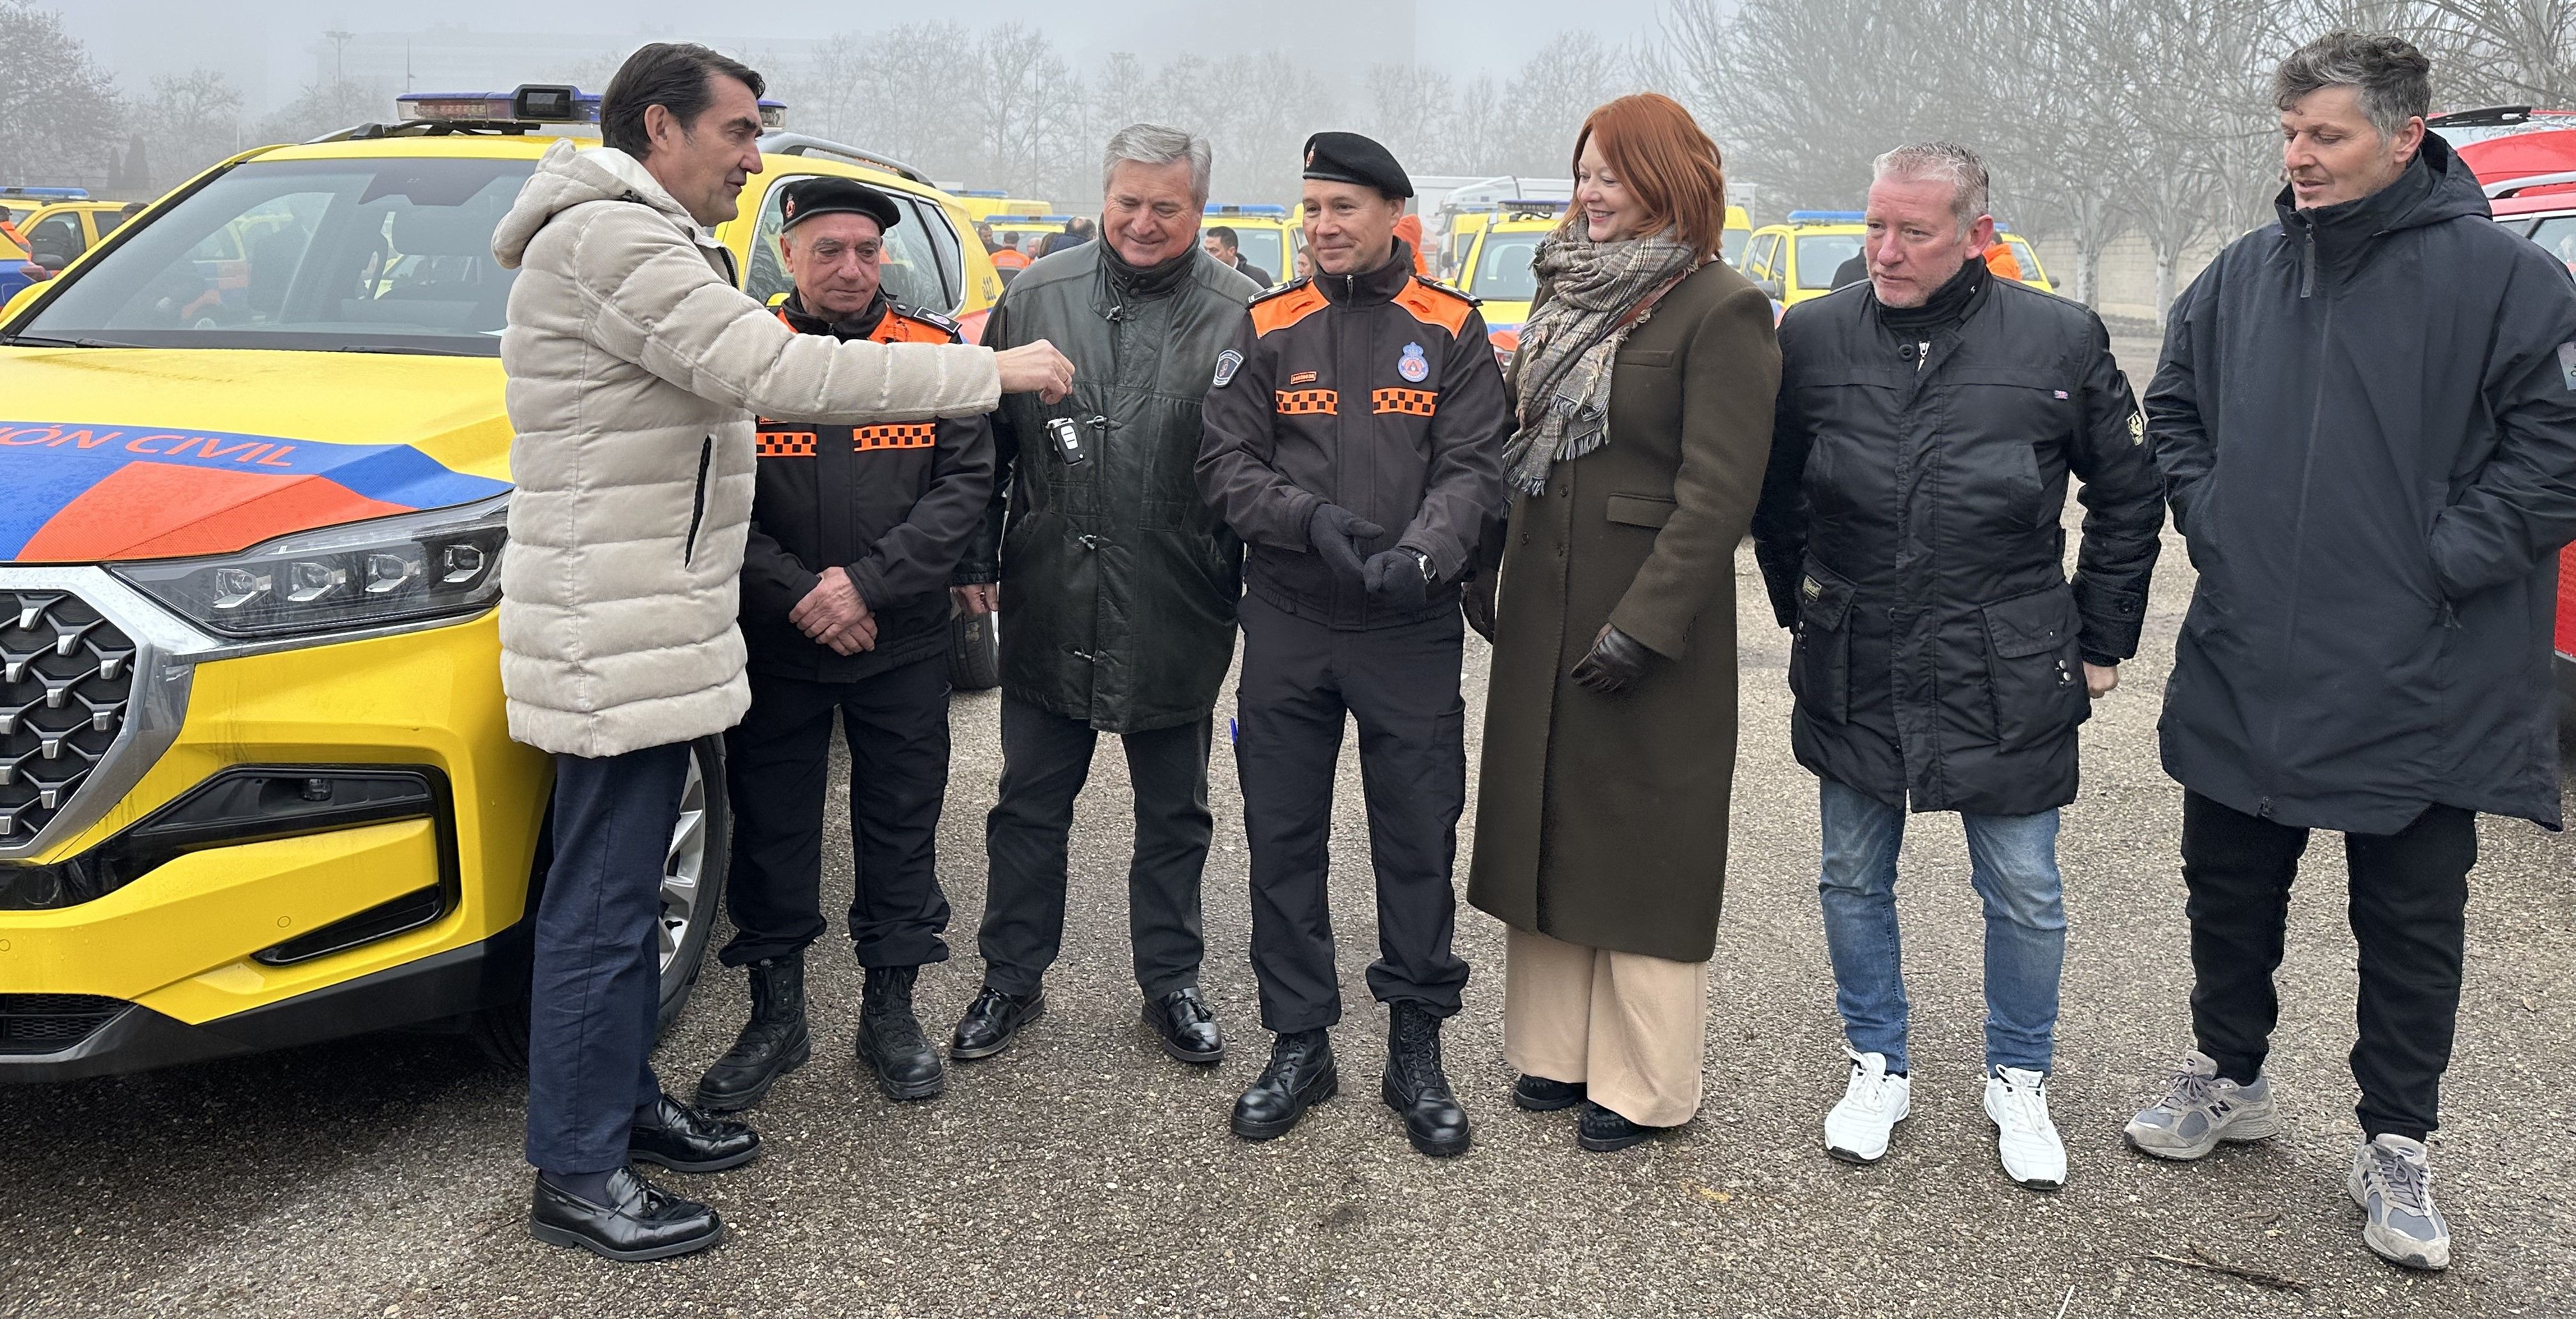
<point>1541,1095</point>
<point>890,1040</point>
<point>1186,1026</point>
<point>773,1044</point>
<point>685,1139</point>
<point>992,1021</point>
<point>1416,1087</point>
<point>640,1222</point>
<point>1604,1132</point>
<point>1300,1076</point>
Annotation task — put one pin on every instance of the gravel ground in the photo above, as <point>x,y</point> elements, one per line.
<point>1083,1174</point>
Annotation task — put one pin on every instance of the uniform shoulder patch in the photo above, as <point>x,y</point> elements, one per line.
<point>1436,304</point>
<point>1285,305</point>
<point>1280,289</point>
<point>927,317</point>
<point>1451,289</point>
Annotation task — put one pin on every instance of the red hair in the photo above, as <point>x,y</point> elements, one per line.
<point>1662,157</point>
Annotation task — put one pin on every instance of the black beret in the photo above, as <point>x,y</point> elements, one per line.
<point>825,195</point>
<point>1351,158</point>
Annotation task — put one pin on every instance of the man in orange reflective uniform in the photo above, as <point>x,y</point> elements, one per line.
<point>855,533</point>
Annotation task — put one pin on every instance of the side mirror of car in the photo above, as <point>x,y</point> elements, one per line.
<point>53,261</point>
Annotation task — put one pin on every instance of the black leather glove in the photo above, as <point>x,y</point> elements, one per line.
<point>1332,532</point>
<point>1476,601</point>
<point>1616,663</point>
<point>1398,579</point>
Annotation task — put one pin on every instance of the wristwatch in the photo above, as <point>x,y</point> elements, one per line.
<point>1420,558</point>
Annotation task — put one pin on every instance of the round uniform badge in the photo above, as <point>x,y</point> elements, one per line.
<point>1412,366</point>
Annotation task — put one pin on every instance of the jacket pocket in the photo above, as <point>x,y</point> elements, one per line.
<point>1820,656</point>
<point>698,501</point>
<point>2034,668</point>
<point>1640,510</point>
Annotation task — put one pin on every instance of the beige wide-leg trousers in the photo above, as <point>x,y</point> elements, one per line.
<point>1631,1028</point>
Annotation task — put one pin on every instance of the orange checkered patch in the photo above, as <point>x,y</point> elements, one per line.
<point>904,435</point>
<point>784,444</point>
<point>1295,401</point>
<point>1418,402</point>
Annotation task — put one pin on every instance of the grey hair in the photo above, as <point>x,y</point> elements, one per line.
<point>1946,161</point>
<point>2395,80</point>
<point>1154,144</point>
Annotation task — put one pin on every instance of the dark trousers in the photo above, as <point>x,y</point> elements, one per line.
<point>778,765</point>
<point>1045,759</point>
<point>597,994</point>
<point>2409,898</point>
<point>1301,682</point>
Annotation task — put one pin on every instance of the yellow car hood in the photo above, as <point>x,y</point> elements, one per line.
<point>134,453</point>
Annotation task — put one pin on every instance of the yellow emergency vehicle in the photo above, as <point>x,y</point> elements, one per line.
<point>1494,266</point>
<point>1270,237</point>
<point>256,787</point>
<point>982,204</point>
<point>1796,261</point>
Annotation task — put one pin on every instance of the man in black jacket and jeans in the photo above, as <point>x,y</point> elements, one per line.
<point>855,532</point>
<point>1910,531</point>
<point>2366,419</point>
<point>1354,439</point>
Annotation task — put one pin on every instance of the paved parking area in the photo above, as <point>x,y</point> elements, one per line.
<point>1083,1174</point>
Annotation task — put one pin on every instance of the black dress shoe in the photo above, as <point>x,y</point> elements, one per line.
<point>890,1040</point>
<point>1541,1095</point>
<point>1604,1132</point>
<point>1416,1087</point>
<point>1186,1026</point>
<point>992,1021</point>
<point>639,1222</point>
<point>685,1139</point>
<point>1300,1076</point>
<point>773,1044</point>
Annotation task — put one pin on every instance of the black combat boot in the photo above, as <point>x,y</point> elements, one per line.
<point>1416,1087</point>
<point>890,1038</point>
<point>1300,1075</point>
<point>771,1046</point>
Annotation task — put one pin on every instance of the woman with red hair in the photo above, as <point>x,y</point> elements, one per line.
<point>1643,393</point>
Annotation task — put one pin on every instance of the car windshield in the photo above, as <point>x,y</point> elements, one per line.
<point>1820,255</point>
<point>1503,271</point>
<point>1260,247</point>
<point>391,255</point>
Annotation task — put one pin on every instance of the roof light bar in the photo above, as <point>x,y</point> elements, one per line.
<point>1825,217</point>
<point>529,103</point>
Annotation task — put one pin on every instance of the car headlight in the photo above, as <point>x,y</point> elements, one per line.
<point>364,574</point>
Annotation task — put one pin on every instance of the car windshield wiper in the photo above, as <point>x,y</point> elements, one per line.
<point>43,341</point>
<point>408,352</point>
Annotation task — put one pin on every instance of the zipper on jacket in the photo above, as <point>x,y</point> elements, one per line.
<point>698,500</point>
<point>2308,261</point>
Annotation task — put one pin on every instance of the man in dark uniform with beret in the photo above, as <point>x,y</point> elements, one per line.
<point>855,534</point>
<point>1354,440</point>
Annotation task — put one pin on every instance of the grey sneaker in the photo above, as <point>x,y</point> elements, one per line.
<point>2392,1181</point>
<point>2201,1109</point>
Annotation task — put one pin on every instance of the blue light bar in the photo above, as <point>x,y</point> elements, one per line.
<point>997,220</point>
<point>1825,217</point>
<point>1534,204</point>
<point>981,192</point>
<point>1214,209</point>
<point>55,194</point>
<point>530,103</point>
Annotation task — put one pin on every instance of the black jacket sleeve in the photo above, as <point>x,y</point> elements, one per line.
<point>1462,494</point>
<point>1236,443</point>
<point>920,554</point>
<point>982,559</point>
<point>1780,518</point>
<point>2519,504</point>
<point>2178,438</point>
<point>2124,511</point>
<point>773,580</point>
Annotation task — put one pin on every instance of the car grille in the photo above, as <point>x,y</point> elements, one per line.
<point>66,677</point>
<point>51,1023</point>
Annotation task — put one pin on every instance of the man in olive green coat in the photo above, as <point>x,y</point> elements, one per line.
<point>1602,820</point>
<point>1119,586</point>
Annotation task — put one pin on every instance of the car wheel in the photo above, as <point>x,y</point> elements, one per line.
<point>974,652</point>
<point>693,879</point>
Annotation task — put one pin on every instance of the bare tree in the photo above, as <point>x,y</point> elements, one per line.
<point>57,107</point>
<point>193,120</point>
<point>327,107</point>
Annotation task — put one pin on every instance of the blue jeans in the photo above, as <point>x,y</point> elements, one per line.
<point>2012,861</point>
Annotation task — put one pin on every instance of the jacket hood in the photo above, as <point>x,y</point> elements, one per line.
<point>2436,186</point>
<point>570,175</point>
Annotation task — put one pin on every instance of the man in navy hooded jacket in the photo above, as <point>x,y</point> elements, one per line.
<point>2366,418</point>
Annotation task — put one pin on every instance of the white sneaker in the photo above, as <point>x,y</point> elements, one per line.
<point>2392,1181</point>
<point>1873,1103</point>
<point>2200,1109</point>
<point>2026,1141</point>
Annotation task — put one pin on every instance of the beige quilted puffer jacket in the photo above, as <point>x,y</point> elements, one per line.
<point>635,367</point>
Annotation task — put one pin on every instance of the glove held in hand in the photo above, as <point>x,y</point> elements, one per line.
<point>1333,531</point>
<point>1616,663</point>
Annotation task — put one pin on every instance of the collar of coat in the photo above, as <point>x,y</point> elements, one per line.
<point>2435,186</point>
<point>856,326</point>
<point>1371,286</point>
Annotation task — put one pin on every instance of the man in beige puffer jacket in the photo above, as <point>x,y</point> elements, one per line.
<point>634,369</point>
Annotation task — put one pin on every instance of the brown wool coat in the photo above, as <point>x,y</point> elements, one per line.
<point>1602,820</point>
